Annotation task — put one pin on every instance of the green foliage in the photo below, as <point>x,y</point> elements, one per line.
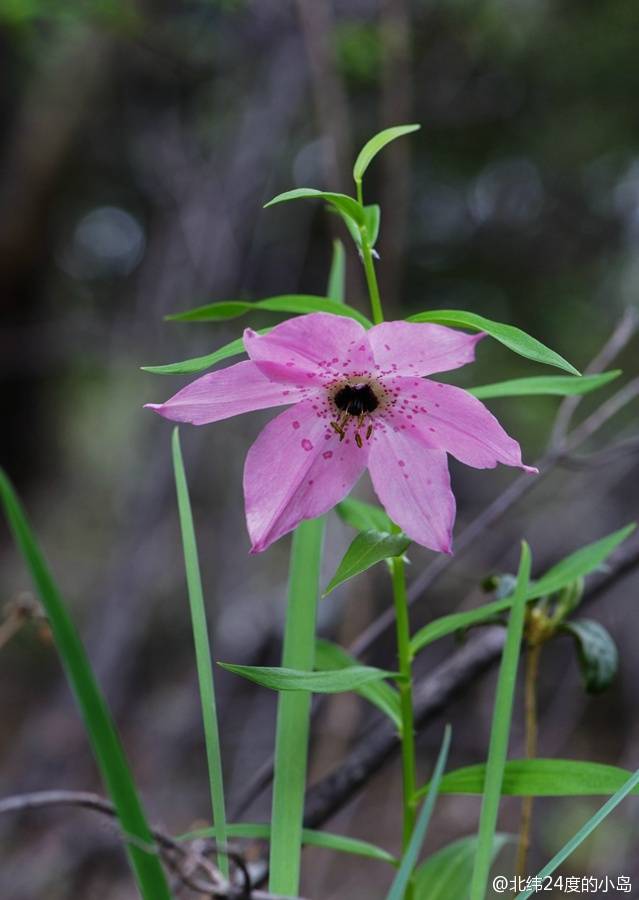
<point>559,385</point>
<point>336,287</point>
<point>345,205</point>
<point>363,516</point>
<point>540,778</point>
<point>200,363</point>
<point>447,873</point>
<point>596,652</point>
<point>97,719</point>
<point>329,656</point>
<point>366,550</point>
<point>329,682</point>
<point>508,335</point>
<point>371,148</point>
<point>288,303</point>
<point>500,731</point>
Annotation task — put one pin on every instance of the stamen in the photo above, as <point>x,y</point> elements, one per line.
<point>369,431</point>
<point>358,439</point>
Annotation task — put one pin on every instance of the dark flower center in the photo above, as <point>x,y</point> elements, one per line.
<point>356,399</point>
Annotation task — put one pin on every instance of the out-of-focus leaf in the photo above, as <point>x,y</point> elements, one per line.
<point>371,148</point>
<point>334,682</point>
<point>342,202</point>
<point>447,873</point>
<point>596,652</point>
<point>199,363</point>
<point>575,566</point>
<point>329,656</point>
<point>288,303</point>
<point>508,335</point>
<point>367,549</point>
<point>560,385</point>
<point>363,516</point>
<point>336,288</point>
<point>540,778</point>
<point>372,214</point>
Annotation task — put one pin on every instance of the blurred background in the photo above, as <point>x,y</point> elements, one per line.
<point>139,144</point>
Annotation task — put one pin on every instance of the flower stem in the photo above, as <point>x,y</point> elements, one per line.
<point>405,683</point>
<point>371,280</point>
<point>530,703</point>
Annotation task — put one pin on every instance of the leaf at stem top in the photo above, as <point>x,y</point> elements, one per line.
<point>558,385</point>
<point>508,335</point>
<point>349,206</point>
<point>372,147</point>
<point>596,652</point>
<point>330,682</point>
<point>367,549</point>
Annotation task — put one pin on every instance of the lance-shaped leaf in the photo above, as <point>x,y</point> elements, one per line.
<point>336,287</point>
<point>371,148</point>
<point>199,363</point>
<point>558,385</point>
<point>540,778</point>
<point>367,549</point>
<point>372,216</point>
<point>596,652</point>
<point>329,656</point>
<point>344,204</point>
<point>363,516</point>
<point>336,682</point>
<point>287,303</point>
<point>575,566</point>
<point>447,873</point>
<point>508,335</point>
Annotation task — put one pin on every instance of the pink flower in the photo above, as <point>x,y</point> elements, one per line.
<point>359,399</point>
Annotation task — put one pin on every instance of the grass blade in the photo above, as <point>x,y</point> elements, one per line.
<point>288,303</point>
<point>291,743</point>
<point>409,859</point>
<point>557,385</point>
<point>97,719</point>
<point>585,831</point>
<point>500,731</point>
<point>202,652</point>
<point>335,681</point>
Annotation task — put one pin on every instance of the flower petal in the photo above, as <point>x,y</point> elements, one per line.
<point>311,350</point>
<point>420,348</point>
<point>297,469</point>
<point>449,418</point>
<point>227,392</point>
<point>413,485</point>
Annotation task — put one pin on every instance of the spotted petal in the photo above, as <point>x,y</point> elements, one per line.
<point>448,418</point>
<point>297,469</point>
<point>413,485</point>
<point>420,348</point>
<point>311,350</point>
<point>227,392</point>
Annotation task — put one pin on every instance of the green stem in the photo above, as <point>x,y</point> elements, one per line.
<point>293,715</point>
<point>371,280</point>
<point>405,683</point>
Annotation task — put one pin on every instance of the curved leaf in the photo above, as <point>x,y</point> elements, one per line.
<point>342,202</point>
<point>199,363</point>
<point>335,682</point>
<point>329,656</point>
<point>371,148</point>
<point>367,549</point>
<point>539,778</point>
<point>363,516</point>
<point>287,303</point>
<point>596,651</point>
<point>447,873</point>
<point>558,385</point>
<point>508,335</point>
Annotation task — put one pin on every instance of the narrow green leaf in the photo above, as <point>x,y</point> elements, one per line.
<point>447,873</point>
<point>363,516</point>
<point>596,652</point>
<point>500,731</point>
<point>97,718</point>
<point>336,288</point>
<point>578,564</point>
<point>342,202</point>
<point>287,303</point>
<point>559,385</point>
<point>539,778</point>
<point>372,214</point>
<point>311,837</point>
<point>202,653</point>
<point>585,831</point>
<point>331,682</point>
<point>508,335</point>
<point>367,549</point>
<point>293,709</point>
<point>329,656</point>
<point>199,363</point>
<point>371,148</point>
<point>409,859</point>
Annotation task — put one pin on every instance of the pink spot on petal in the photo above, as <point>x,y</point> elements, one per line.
<point>306,444</point>
<point>296,424</point>
<point>327,454</point>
